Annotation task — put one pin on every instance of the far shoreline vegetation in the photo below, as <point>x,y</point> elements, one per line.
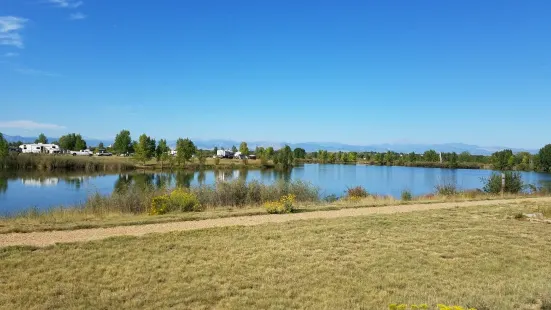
<point>148,154</point>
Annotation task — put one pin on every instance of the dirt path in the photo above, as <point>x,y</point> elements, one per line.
<point>83,235</point>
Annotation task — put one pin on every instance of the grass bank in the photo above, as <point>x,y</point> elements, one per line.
<point>477,257</point>
<point>64,162</point>
<point>132,205</point>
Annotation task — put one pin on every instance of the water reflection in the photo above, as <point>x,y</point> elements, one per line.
<point>201,177</point>
<point>3,185</point>
<point>19,190</point>
<point>39,182</point>
<point>184,178</point>
<point>163,180</point>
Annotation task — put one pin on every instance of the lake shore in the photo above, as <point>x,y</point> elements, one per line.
<point>92,216</point>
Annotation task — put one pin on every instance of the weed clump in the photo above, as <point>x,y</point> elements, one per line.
<point>406,195</point>
<point>446,189</point>
<point>356,193</point>
<point>178,200</point>
<point>284,205</point>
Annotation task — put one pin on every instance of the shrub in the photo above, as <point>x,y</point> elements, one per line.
<point>284,205</point>
<point>356,192</point>
<point>406,195</point>
<point>513,183</point>
<point>446,189</point>
<point>160,205</point>
<point>331,198</point>
<point>184,201</point>
<point>519,216</point>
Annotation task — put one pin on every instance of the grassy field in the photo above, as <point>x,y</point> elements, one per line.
<point>474,257</point>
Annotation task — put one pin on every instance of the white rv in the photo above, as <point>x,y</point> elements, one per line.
<point>224,154</point>
<point>40,148</point>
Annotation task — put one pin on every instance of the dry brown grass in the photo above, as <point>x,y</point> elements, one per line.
<point>77,218</point>
<point>477,257</point>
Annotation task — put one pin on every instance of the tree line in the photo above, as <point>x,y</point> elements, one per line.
<point>146,148</point>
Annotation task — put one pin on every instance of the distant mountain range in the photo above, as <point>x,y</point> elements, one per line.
<point>314,146</point>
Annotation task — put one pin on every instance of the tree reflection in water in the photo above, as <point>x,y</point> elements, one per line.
<point>184,178</point>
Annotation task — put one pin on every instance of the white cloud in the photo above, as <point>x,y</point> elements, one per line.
<point>34,72</point>
<point>26,124</point>
<point>10,26</point>
<point>71,4</point>
<point>11,54</point>
<point>77,16</point>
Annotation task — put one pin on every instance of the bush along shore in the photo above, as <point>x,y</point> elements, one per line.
<point>140,203</point>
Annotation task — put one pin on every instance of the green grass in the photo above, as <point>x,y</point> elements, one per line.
<point>475,257</point>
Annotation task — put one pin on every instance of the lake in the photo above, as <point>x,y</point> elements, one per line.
<point>21,190</point>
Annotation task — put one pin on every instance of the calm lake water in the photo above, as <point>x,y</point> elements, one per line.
<point>20,191</point>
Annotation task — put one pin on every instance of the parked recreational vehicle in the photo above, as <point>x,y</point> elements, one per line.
<point>40,148</point>
<point>224,154</point>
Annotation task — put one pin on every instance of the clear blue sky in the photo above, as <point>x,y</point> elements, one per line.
<point>360,72</point>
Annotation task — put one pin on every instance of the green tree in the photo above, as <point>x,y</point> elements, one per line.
<point>332,157</point>
<point>215,150</point>
<point>259,152</point>
<point>16,144</point>
<point>4,147</point>
<point>184,150</point>
<point>343,157</point>
<point>202,158</point>
<point>142,149</point>
<point>544,157</point>
<point>244,148</point>
<point>352,157</point>
<point>380,158</point>
<point>431,156</point>
<point>389,158</point>
<point>465,157</point>
<point>101,146</point>
<point>453,160</point>
<point>299,153</point>
<point>161,153</point>
<point>234,149</point>
<point>411,157</point>
<point>500,159</point>
<point>284,158</point>
<point>270,152</point>
<point>72,142</point>
<point>152,147</point>
<point>80,144</point>
<point>123,142</point>
<point>41,139</point>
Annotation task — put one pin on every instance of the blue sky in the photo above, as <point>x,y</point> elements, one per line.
<point>359,72</point>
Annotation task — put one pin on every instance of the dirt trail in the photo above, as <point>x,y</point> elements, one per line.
<point>82,235</point>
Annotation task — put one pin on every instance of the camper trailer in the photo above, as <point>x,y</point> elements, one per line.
<point>40,148</point>
<point>224,154</point>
